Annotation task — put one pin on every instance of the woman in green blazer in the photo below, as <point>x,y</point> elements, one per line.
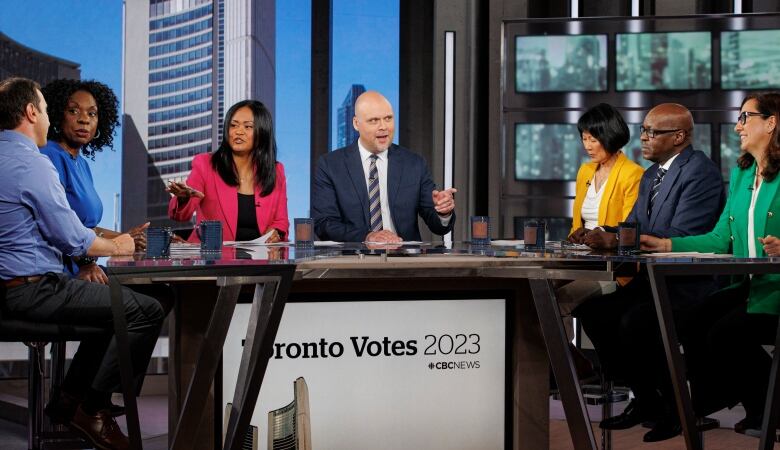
<point>744,316</point>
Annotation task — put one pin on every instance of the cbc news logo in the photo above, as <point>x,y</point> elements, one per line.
<point>453,365</point>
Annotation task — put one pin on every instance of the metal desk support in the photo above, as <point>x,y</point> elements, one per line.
<point>562,364</point>
<point>658,273</point>
<point>267,307</point>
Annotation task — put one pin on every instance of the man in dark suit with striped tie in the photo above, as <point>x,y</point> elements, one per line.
<point>374,190</point>
<point>680,195</point>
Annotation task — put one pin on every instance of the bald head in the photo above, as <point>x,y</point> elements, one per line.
<point>673,116</point>
<point>374,121</point>
<point>672,127</point>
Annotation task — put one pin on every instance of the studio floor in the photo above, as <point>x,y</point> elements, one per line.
<point>154,422</point>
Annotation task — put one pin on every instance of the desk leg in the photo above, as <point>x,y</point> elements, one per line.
<point>267,308</point>
<point>562,364</point>
<point>125,364</point>
<point>184,434</point>
<point>768,431</point>
<point>674,359</point>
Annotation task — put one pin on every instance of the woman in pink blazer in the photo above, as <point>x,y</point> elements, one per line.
<point>241,184</point>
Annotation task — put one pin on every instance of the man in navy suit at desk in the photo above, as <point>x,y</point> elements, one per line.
<point>680,195</point>
<point>374,190</point>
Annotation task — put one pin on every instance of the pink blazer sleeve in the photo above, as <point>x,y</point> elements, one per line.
<point>279,220</point>
<point>196,180</point>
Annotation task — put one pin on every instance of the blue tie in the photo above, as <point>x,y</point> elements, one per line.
<point>375,206</point>
<point>659,177</point>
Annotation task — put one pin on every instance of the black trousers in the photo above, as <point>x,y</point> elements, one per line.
<point>727,362</point>
<point>59,299</point>
<point>623,327</point>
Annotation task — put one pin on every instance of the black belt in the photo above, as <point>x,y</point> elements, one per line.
<point>18,281</point>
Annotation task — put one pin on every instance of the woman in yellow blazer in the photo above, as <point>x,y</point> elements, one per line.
<point>608,185</point>
<point>607,188</point>
<point>741,318</point>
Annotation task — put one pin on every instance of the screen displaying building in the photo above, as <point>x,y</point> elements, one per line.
<point>561,63</point>
<point>660,61</point>
<point>547,151</point>
<point>346,132</point>
<point>702,140</point>
<point>729,149</point>
<point>750,59</point>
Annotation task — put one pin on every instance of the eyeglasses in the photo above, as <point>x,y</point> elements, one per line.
<point>651,133</point>
<point>742,119</point>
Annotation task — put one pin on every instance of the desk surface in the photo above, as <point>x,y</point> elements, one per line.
<point>388,256</point>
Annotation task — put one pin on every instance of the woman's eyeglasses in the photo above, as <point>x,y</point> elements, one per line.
<point>742,119</point>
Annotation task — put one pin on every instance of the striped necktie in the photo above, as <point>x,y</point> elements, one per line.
<point>375,206</point>
<point>659,177</point>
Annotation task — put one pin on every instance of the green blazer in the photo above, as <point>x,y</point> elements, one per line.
<point>732,227</point>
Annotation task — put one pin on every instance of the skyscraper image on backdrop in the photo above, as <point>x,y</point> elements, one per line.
<point>185,63</point>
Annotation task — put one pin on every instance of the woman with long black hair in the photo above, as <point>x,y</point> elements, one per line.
<point>241,184</point>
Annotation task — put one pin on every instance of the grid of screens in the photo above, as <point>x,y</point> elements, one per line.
<point>702,140</point>
<point>750,59</point>
<point>561,63</point>
<point>664,61</point>
<point>729,149</point>
<point>545,151</point>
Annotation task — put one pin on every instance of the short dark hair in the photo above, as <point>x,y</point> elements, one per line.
<point>767,103</point>
<point>15,94</point>
<point>58,92</point>
<point>605,123</point>
<point>263,148</point>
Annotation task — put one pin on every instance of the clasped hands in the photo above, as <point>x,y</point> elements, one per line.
<point>596,239</point>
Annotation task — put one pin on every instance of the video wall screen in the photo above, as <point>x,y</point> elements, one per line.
<point>546,151</point>
<point>750,59</point>
<point>663,61</point>
<point>729,149</point>
<point>561,63</point>
<point>702,140</point>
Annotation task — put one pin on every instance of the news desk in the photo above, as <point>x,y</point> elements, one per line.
<point>209,287</point>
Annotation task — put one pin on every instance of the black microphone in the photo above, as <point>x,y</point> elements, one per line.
<point>750,188</point>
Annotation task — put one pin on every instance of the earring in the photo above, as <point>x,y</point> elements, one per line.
<point>97,135</point>
<point>55,129</point>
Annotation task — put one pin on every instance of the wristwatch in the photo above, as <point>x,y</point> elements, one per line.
<point>85,261</point>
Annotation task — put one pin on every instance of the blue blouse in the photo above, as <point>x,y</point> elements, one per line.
<point>76,178</point>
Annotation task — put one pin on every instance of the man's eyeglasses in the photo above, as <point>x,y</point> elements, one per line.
<point>651,133</point>
<point>742,119</point>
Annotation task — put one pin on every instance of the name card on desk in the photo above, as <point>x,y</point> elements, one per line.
<point>385,374</point>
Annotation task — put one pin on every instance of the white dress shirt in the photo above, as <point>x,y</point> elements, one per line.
<point>751,223</point>
<point>590,205</point>
<point>381,167</point>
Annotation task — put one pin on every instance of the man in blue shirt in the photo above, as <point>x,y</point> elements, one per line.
<point>37,227</point>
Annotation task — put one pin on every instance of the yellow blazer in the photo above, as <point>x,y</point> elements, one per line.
<point>622,189</point>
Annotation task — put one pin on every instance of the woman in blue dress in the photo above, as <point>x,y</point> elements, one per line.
<point>83,117</point>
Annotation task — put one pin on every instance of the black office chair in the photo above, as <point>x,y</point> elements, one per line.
<point>35,335</point>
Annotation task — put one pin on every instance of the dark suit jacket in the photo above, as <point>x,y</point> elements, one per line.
<point>690,199</point>
<point>340,196</point>
<point>689,203</point>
